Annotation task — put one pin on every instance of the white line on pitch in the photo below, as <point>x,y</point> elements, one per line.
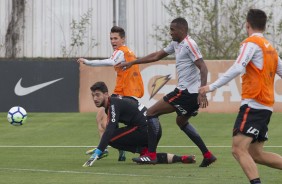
<point>3,146</point>
<point>93,173</point>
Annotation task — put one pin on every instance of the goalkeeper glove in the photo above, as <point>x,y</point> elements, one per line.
<point>93,158</point>
<point>104,154</point>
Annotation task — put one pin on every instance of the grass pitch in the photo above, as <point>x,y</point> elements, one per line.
<point>50,148</point>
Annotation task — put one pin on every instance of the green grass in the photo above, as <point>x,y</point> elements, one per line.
<point>63,165</point>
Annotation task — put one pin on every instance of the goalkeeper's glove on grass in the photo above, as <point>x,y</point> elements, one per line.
<point>97,153</point>
<point>104,154</point>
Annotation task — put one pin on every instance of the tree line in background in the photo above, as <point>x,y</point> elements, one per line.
<point>218,26</point>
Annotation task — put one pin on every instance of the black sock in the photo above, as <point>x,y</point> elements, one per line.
<point>167,158</point>
<point>176,158</point>
<point>255,181</point>
<point>195,137</point>
<point>162,158</point>
<point>154,133</point>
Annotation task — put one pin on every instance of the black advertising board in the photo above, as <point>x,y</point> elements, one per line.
<point>39,86</point>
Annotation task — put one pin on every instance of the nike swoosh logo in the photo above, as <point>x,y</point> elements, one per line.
<point>22,91</point>
<point>266,45</point>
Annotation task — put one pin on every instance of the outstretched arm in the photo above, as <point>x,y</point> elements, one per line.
<point>230,74</point>
<point>247,51</point>
<point>102,62</point>
<point>147,59</point>
<point>116,58</point>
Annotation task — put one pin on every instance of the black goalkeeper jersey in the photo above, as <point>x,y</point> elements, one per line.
<point>124,110</point>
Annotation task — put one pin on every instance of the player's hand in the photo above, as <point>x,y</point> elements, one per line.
<point>125,65</point>
<point>80,60</point>
<point>202,97</point>
<point>93,158</point>
<point>203,90</point>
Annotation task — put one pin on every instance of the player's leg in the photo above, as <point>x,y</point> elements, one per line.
<point>191,132</point>
<point>168,158</point>
<point>256,149</point>
<point>131,139</point>
<point>240,151</point>
<point>263,157</point>
<point>154,127</point>
<point>186,105</point>
<point>154,131</point>
<point>250,127</point>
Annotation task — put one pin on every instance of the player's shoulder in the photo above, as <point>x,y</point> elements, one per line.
<point>123,100</point>
<point>115,99</point>
<point>189,41</point>
<point>130,99</point>
<point>117,53</point>
<point>126,50</point>
<point>172,43</point>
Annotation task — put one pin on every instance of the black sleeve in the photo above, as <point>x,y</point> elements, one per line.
<point>113,119</point>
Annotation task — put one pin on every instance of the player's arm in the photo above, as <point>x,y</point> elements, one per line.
<point>155,56</point>
<point>106,137</point>
<point>279,67</point>
<point>193,52</point>
<point>101,119</point>
<point>202,98</point>
<point>113,119</point>
<point>102,62</point>
<point>116,58</point>
<point>247,51</point>
<point>203,70</point>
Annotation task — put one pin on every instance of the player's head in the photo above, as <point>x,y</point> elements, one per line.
<point>99,92</point>
<point>178,29</point>
<point>256,20</point>
<point>117,37</point>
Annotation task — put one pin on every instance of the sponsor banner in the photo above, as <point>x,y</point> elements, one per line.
<point>39,86</point>
<point>160,78</point>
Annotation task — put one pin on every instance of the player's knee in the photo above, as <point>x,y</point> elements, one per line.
<point>235,152</point>
<point>181,124</point>
<point>182,121</point>
<point>152,117</point>
<point>238,152</point>
<point>151,113</point>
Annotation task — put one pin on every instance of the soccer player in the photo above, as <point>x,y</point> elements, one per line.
<point>128,83</point>
<point>133,137</point>
<point>258,62</point>
<point>192,73</point>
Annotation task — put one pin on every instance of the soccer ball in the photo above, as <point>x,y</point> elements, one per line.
<point>17,115</point>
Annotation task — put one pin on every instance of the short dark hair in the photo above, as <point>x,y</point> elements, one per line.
<point>180,21</point>
<point>101,86</point>
<point>257,19</point>
<point>119,30</point>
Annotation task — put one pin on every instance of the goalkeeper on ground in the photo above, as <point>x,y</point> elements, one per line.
<point>133,136</point>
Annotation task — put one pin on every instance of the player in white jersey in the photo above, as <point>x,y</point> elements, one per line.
<point>192,73</point>
<point>258,62</point>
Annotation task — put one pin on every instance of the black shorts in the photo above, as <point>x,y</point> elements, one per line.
<point>185,103</point>
<point>128,138</point>
<point>253,123</point>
